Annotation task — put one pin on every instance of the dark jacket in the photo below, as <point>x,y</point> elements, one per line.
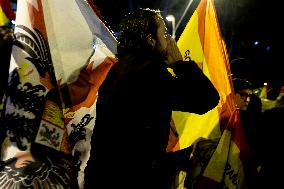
<point>133,118</point>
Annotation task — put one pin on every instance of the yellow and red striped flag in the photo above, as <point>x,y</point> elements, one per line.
<point>201,41</point>
<point>6,12</point>
<point>55,41</point>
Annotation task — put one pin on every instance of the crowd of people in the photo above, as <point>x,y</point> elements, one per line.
<point>135,104</point>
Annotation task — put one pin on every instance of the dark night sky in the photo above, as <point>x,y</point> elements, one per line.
<point>242,22</point>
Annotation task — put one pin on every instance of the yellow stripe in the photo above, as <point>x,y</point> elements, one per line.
<point>189,41</point>
<point>192,126</point>
<point>213,60</point>
<point>3,17</point>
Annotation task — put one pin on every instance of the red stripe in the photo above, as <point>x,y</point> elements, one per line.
<point>37,18</point>
<point>201,12</point>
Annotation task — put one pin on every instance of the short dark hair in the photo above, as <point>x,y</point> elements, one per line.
<point>134,29</point>
<point>240,84</point>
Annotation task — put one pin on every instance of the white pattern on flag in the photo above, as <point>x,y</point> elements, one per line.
<point>71,35</point>
<point>72,41</point>
<point>31,76</point>
<point>55,39</point>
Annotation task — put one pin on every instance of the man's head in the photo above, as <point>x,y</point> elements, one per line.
<point>142,31</point>
<point>243,90</point>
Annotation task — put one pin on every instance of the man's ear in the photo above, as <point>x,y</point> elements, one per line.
<point>150,40</point>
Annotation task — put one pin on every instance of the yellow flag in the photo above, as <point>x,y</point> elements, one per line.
<point>201,41</point>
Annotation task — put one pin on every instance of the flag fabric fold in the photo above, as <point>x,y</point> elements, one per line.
<point>55,41</point>
<point>202,42</point>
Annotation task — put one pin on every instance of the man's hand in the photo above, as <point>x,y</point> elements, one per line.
<point>173,54</point>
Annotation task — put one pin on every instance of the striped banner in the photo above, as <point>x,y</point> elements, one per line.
<point>201,41</point>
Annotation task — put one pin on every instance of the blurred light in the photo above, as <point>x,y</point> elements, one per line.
<point>265,84</point>
<point>116,34</point>
<point>268,48</point>
<point>172,19</point>
<point>256,43</point>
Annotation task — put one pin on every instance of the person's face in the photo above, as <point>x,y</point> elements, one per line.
<point>161,41</point>
<point>243,98</point>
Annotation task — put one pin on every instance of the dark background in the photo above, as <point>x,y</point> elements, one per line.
<point>249,28</point>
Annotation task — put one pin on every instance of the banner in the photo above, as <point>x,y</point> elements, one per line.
<point>56,41</point>
<point>202,42</point>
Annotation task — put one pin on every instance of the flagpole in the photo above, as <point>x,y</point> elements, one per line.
<point>183,15</point>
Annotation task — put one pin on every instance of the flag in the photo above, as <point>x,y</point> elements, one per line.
<point>263,93</point>
<point>202,42</point>
<point>57,42</point>
<point>6,12</point>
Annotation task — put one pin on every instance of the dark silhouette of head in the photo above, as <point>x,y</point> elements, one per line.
<point>241,68</point>
<point>134,30</point>
<point>241,84</point>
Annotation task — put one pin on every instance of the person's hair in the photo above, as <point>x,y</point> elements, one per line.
<point>134,29</point>
<point>240,84</point>
<point>241,68</point>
